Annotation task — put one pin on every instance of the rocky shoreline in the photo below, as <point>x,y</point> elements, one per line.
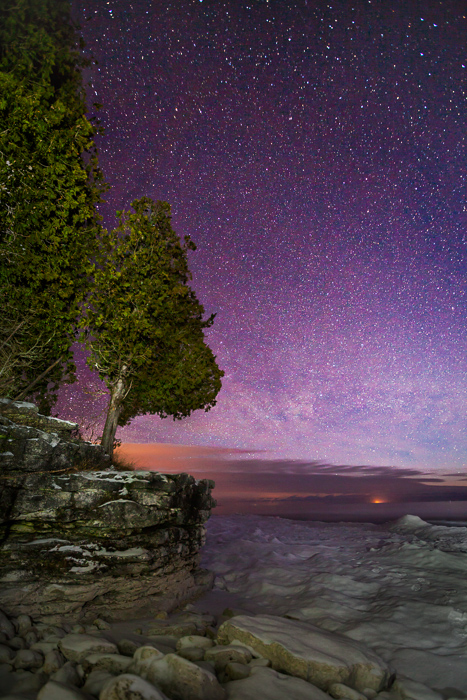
<point>188,656</point>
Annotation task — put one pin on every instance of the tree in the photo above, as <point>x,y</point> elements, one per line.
<point>144,324</point>
<point>50,184</point>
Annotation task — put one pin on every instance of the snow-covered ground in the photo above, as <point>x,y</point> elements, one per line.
<point>400,588</point>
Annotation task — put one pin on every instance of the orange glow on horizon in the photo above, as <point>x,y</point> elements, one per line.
<point>378,500</point>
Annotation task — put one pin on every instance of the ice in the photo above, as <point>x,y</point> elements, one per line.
<point>399,588</point>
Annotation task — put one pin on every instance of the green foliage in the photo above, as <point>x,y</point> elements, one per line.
<point>49,186</point>
<point>144,323</point>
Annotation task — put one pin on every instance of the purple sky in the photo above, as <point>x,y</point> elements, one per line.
<point>316,154</point>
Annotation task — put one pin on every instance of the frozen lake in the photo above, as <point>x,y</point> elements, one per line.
<point>401,588</point>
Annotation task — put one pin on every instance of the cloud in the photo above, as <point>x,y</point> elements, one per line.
<point>244,478</point>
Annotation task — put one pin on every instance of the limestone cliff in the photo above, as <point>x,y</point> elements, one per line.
<point>102,542</point>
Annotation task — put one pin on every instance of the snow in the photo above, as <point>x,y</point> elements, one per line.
<point>116,477</point>
<point>399,588</point>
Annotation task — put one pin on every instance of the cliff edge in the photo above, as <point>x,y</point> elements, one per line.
<point>81,543</point>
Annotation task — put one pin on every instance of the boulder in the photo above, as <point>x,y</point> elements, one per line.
<point>308,652</point>
<point>267,684</point>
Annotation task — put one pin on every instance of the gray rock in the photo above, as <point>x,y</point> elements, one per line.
<point>68,674</point>
<point>101,624</point>
<point>113,663</point>
<point>27,659</point>
<point>6,626</point>
<point>24,624</point>
<point>53,661</point>
<point>23,682</point>
<point>75,647</point>
<point>343,692</point>
<point>147,652</point>
<point>6,654</point>
<point>265,663</point>
<point>127,646</point>
<point>17,643</point>
<point>308,652</point>
<point>182,679</point>
<point>54,690</point>
<point>237,672</point>
<point>44,647</point>
<point>220,656</point>
<point>130,687</point>
<point>412,690</point>
<point>192,653</point>
<point>96,681</point>
<point>194,640</point>
<point>266,683</point>
<point>30,637</point>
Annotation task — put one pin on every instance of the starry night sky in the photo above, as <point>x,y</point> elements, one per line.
<point>316,155</point>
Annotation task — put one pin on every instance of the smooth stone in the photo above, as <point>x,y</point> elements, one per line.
<point>27,658</point>
<point>30,637</point>
<point>127,647</point>
<point>192,653</point>
<point>223,655</point>
<point>17,643</point>
<point>194,640</point>
<point>260,662</point>
<point>207,665</point>
<point>75,647</point>
<point>6,654</point>
<point>26,682</point>
<point>309,652</point>
<point>96,680</point>
<point>78,629</point>
<point>101,624</point>
<point>413,690</point>
<point>53,661</point>
<point>113,663</point>
<point>24,623</point>
<point>67,674</point>
<point>163,648</point>
<point>130,687</point>
<point>182,629</point>
<point>266,683</point>
<point>54,690</point>
<point>44,647</point>
<point>52,639</point>
<point>237,672</point>
<point>45,629</point>
<point>147,652</point>
<point>6,626</point>
<point>343,692</point>
<point>183,679</point>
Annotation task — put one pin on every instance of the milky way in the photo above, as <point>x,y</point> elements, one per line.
<point>316,155</point>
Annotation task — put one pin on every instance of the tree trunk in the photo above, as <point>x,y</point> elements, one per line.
<point>117,394</point>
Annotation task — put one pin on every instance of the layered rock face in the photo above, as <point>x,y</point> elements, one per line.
<point>81,544</point>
